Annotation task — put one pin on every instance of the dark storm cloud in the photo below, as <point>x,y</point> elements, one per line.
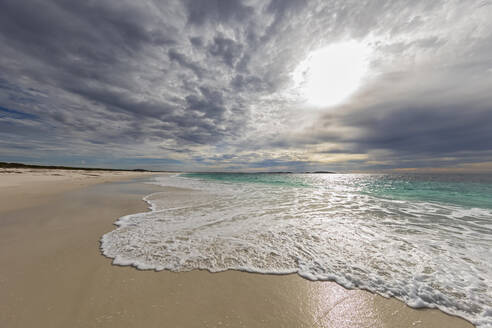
<point>228,50</point>
<point>82,37</point>
<point>217,11</point>
<point>185,62</point>
<point>210,104</point>
<point>91,59</point>
<point>200,84</point>
<point>427,130</point>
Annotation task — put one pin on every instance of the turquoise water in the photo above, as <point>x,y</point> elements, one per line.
<point>464,190</point>
<point>275,179</point>
<point>471,190</point>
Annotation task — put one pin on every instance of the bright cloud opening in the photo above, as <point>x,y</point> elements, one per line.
<point>328,76</point>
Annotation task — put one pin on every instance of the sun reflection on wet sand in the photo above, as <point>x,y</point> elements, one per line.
<point>335,306</point>
<point>340,307</point>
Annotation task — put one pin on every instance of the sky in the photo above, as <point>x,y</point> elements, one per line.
<point>226,85</point>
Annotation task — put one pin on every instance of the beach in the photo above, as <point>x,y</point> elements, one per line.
<point>52,272</point>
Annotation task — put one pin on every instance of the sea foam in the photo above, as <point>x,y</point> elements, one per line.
<point>426,254</point>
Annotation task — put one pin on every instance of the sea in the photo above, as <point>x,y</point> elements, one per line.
<point>425,239</point>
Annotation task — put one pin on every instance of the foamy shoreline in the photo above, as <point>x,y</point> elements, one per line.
<point>215,226</point>
<point>54,275</point>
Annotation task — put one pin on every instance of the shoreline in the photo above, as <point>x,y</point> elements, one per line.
<point>54,274</point>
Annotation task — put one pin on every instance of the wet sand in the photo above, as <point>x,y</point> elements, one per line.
<point>53,275</point>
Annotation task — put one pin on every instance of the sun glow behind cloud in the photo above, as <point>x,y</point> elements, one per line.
<point>328,76</point>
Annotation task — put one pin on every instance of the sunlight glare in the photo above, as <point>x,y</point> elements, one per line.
<point>328,76</point>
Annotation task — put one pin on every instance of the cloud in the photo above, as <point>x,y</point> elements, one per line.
<point>217,11</point>
<point>227,49</point>
<point>208,84</point>
<point>185,62</point>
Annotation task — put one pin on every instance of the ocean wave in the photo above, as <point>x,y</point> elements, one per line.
<point>427,254</point>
